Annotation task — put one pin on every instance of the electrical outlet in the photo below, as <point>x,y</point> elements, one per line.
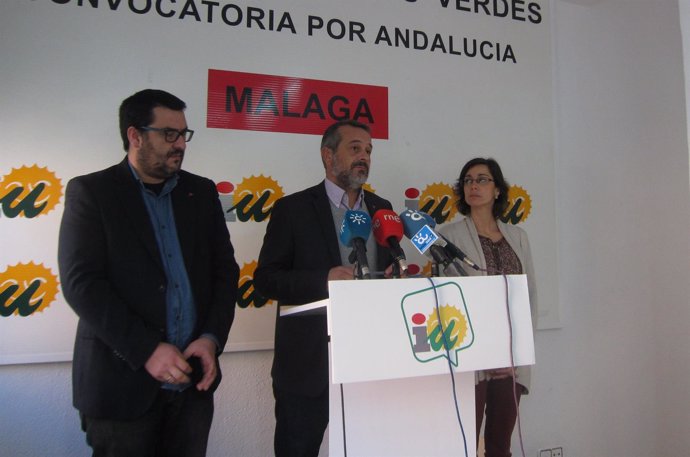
<point>557,452</point>
<point>545,453</point>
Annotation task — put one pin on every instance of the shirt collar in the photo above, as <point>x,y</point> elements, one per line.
<point>338,196</point>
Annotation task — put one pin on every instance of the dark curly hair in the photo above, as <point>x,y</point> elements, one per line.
<point>500,204</point>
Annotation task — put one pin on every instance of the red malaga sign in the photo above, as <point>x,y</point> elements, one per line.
<point>250,101</point>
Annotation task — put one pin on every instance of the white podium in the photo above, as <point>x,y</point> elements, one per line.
<point>388,355</point>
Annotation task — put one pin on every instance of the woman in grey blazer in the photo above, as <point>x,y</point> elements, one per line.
<point>498,248</point>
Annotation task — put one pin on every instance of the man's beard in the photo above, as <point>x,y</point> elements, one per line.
<point>352,179</point>
<point>156,167</point>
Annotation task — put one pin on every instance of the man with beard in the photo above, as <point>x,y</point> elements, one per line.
<point>300,254</point>
<point>146,263</point>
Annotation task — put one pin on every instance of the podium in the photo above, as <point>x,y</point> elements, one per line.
<point>391,381</point>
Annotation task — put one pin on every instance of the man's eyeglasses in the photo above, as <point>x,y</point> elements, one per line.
<point>482,181</point>
<point>171,135</point>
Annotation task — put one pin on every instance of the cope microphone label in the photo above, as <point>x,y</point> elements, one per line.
<point>250,101</point>
<point>423,239</point>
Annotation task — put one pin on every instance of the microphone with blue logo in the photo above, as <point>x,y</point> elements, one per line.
<point>419,229</point>
<point>354,233</point>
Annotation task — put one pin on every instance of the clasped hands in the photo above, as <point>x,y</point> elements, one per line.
<point>167,364</point>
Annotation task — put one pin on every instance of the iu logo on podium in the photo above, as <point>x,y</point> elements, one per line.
<point>441,332</point>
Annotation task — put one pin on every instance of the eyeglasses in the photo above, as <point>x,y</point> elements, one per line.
<point>171,135</point>
<point>482,181</point>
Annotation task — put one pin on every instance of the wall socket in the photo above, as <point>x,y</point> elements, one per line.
<point>553,452</point>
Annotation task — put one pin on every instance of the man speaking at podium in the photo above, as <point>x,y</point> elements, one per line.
<point>300,254</point>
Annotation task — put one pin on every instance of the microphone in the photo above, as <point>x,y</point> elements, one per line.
<point>413,224</point>
<point>418,228</point>
<point>455,251</point>
<point>441,257</point>
<point>388,231</point>
<point>452,249</point>
<point>354,233</point>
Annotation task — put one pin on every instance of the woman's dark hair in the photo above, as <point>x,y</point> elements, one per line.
<point>137,110</point>
<point>500,204</point>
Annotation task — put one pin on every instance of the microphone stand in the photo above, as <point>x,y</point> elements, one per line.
<point>361,271</point>
<point>396,270</point>
<point>450,267</point>
<point>459,268</point>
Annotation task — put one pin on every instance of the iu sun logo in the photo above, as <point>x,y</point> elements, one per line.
<point>29,192</point>
<point>436,332</point>
<point>26,289</point>
<point>519,206</point>
<point>247,295</point>
<point>252,199</point>
<point>438,202</point>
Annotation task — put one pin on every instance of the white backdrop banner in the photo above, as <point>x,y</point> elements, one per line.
<point>439,81</point>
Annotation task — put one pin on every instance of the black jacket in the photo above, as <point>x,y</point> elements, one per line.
<point>112,276</point>
<point>300,247</point>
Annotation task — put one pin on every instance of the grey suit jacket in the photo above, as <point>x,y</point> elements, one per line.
<point>464,235</point>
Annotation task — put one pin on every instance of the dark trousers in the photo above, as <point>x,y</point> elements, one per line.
<point>177,425</point>
<point>495,399</point>
<point>300,423</point>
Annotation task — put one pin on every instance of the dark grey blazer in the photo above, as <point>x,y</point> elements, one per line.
<point>300,247</point>
<point>112,276</point>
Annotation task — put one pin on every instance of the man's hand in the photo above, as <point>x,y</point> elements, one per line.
<point>388,272</point>
<point>205,350</point>
<point>341,272</point>
<point>167,364</point>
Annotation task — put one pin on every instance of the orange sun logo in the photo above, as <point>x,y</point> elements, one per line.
<point>452,320</point>
<point>426,270</point>
<point>247,271</point>
<point>27,289</point>
<point>37,191</point>
<point>248,298</point>
<point>438,201</point>
<point>519,206</point>
<point>259,193</point>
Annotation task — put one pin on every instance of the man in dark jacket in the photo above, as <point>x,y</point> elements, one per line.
<point>147,265</point>
<point>300,254</point>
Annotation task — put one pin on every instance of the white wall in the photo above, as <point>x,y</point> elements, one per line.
<point>613,382</point>
<point>673,350</point>
<point>607,383</point>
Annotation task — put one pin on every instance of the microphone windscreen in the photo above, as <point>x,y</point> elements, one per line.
<point>413,221</point>
<point>430,221</point>
<point>356,224</point>
<point>387,224</point>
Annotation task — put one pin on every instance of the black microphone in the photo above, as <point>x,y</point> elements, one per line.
<point>455,252</point>
<point>354,232</point>
<point>441,257</point>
